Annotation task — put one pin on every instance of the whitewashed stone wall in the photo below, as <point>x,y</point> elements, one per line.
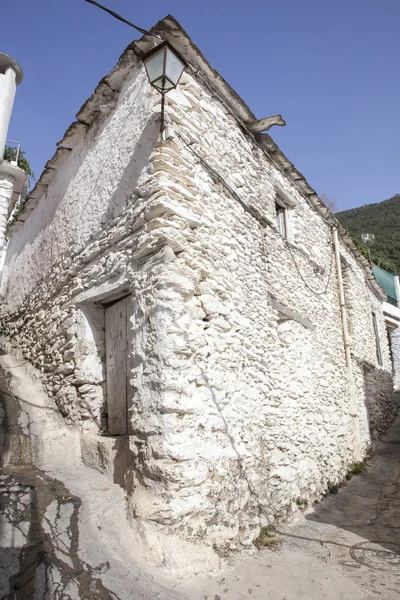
<point>395,341</point>
<point>392,317</point>
<point>374,383</point>
<point>237,412</point>
<point>89,190</point>
<point>264,402</point>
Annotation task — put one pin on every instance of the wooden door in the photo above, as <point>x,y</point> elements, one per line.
<point>116,326</point>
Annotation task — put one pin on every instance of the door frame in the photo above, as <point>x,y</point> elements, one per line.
<point>105,304</point>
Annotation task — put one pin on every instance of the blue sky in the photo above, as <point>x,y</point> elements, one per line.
<point>331,68</point>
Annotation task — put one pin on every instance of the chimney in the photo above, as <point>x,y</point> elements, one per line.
<point>10,76</point>
<point>12,178</point>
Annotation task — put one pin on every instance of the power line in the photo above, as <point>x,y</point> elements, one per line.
<point>117,16</point>
<point>207,166</point>
<point>215,175</point>
<point>321,293</point>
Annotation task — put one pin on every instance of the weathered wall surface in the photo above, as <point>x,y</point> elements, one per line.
<point>256,409</point>
<point>392,316</point>
<point>395,341</point>
<point>80,237</point>
<point>374,382</point>
<point>97,178</point>
<point>237,411</point>
<point>104,228</point>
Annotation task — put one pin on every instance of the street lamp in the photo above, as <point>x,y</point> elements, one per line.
<point>163,64</point>
<point>164,67</point>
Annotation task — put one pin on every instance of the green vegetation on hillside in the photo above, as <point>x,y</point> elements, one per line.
<point>383,220</point>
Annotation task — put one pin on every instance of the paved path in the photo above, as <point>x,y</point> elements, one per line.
<point>347,549</point>
<point>63,530</point>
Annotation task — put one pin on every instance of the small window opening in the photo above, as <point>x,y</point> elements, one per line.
<point>377,342</point>
<point>281,220</point>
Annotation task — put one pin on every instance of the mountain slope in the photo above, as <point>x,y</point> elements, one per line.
<point>381,219</point>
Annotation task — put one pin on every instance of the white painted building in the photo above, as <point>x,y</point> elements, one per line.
<point>194,299</point>
<point>391,309</point>
<point>12,178</point>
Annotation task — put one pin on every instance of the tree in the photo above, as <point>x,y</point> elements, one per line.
<point>10,154</point>
<point>330,203</point>
<point>383,220</point>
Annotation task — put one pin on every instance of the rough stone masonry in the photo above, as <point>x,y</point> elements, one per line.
<point>240,402</point>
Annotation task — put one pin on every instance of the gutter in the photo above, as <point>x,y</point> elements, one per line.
<point>346,341</point>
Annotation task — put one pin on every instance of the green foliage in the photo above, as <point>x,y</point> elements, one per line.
<point>358,467</point>
<point>301,503</point>
<point>266,539</point>
<point>10,154</point>
<point>333,488</point>
<point>383,220</point>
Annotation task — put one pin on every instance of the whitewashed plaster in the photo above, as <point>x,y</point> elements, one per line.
<point>6,192</point>
<point>90,189</point>
<point>392,317</point>
<point>238,411</point>
<point>7,94</point>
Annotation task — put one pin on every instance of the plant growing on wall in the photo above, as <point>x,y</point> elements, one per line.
<point>10,154</point>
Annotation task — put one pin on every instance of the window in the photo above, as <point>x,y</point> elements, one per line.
<point>281,220</point>
<point>284,205</point>
<point>377,342</point>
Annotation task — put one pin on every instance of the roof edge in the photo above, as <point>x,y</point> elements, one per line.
<point>105,96</point>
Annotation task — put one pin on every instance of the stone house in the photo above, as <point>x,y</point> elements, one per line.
<point>391,310</point>
<point>195,310</point>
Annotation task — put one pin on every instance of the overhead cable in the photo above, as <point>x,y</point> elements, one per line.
<point>316,293</point>
<point>215,175</point>
<point>117,16</point>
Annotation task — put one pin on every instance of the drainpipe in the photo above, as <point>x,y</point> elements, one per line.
<point>346,341</point>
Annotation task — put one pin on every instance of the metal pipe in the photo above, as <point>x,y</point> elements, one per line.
<point>162,126</point>
<point>346,342</point>
<point>342,301</point>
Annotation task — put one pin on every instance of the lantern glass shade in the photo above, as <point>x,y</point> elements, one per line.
<point>164,67</point>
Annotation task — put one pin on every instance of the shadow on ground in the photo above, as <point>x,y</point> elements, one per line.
<point>39,532</point>
<point>369,507</point>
